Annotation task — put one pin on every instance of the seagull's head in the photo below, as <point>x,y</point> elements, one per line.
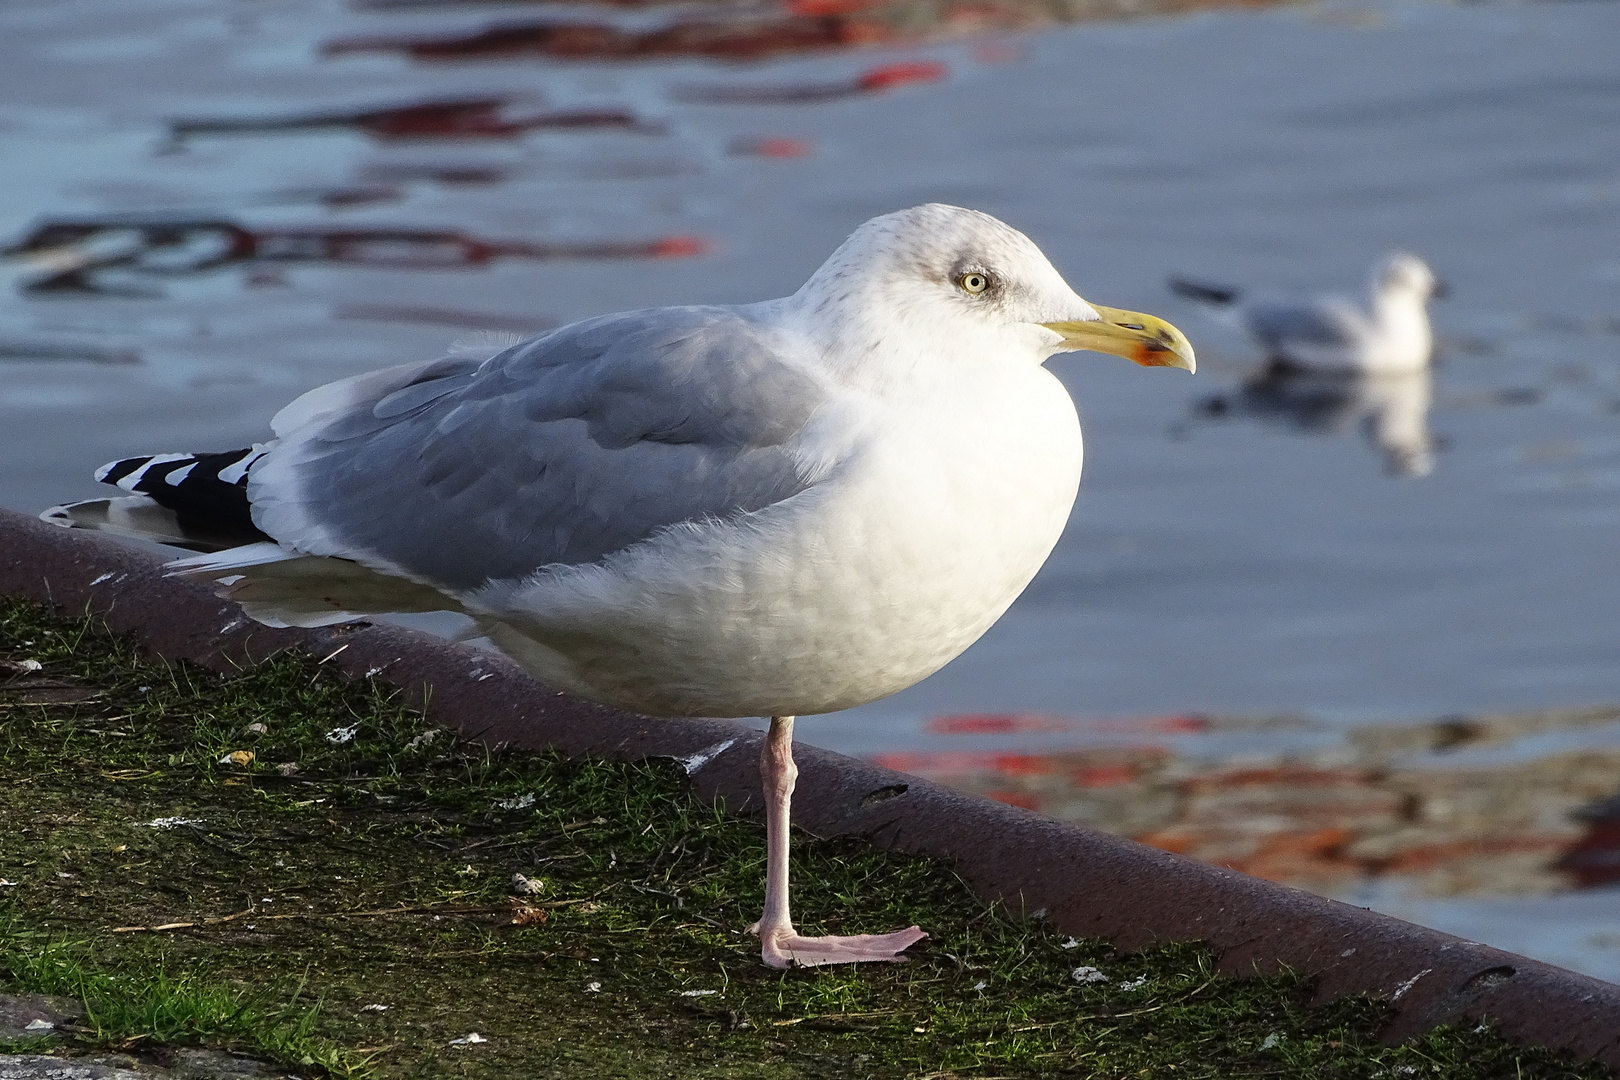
<point>1406,276</point>
<point>957,282</point>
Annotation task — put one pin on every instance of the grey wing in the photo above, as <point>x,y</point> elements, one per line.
<point>563,449</point>
<point>1321,324</point>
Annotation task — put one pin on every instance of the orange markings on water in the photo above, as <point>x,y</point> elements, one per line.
<point>1282,776</point>
<point>771,146</point>
<point>1424,859</point>
<point>817,8</point>
<point>679,247</point>
<point>889,76</point>
<point>937,763</point>
<point>993,724</point>
<point>873,81</point>
<point>1306,854</point>
<point>964,763</point>
<point>1319,824</point>
<point>1292,855</point>
<point>1023,764</point>
<point>1097,776</point>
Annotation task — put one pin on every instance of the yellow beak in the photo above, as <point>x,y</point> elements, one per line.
<point>1149,341</point>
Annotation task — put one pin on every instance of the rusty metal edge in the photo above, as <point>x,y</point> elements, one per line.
<point>1086,883</point>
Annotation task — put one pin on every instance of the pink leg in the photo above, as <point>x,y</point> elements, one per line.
<point>780,945</point>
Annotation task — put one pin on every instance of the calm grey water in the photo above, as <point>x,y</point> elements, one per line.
<point>1239,565</point>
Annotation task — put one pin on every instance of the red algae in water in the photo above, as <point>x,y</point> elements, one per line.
<point>889,76</point>
<point>771,146</point>
<point>744,40</point>
<point>160,246</point>
<point>872,81</point>
<point>472,118</point>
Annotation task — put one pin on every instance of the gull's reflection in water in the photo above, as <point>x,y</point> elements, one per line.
<point>1391,410</point>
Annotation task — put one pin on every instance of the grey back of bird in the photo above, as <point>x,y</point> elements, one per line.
<point>1326,323</point>
<point>563,449</point>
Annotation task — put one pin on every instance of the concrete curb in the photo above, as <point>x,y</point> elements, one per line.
<point>1087,883</point>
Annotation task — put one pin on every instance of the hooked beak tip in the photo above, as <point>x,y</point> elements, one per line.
<point>1144,339</point>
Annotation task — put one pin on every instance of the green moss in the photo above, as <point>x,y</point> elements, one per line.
<point>361,859</point>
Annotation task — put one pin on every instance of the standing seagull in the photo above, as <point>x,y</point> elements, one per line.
<point>1331,335</point>
<point>774,509</point>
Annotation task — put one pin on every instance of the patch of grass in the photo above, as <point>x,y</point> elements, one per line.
<point>161,1007</point>
<point>342,902</point>
<point>28,1044</point>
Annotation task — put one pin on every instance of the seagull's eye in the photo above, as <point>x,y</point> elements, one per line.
<point>973,282</point>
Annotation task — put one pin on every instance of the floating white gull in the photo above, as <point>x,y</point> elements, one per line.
<point>774,509</point>
<point>1389,334</point>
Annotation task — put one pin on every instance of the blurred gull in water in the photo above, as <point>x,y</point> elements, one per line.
<point>1386,334</point>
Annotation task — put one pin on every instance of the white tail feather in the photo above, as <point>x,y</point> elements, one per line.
<point>285,588</point>
<point>235,558</point>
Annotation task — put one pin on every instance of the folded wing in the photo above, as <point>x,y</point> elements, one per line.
<point>563,449</point>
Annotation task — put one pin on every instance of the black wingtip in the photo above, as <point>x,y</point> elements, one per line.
<point>207,492</point>
<point>114,471</point>
<point>1206,294</point>
<point>143,518</point>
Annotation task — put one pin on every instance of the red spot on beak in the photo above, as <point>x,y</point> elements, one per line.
<point>1152,354</point>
